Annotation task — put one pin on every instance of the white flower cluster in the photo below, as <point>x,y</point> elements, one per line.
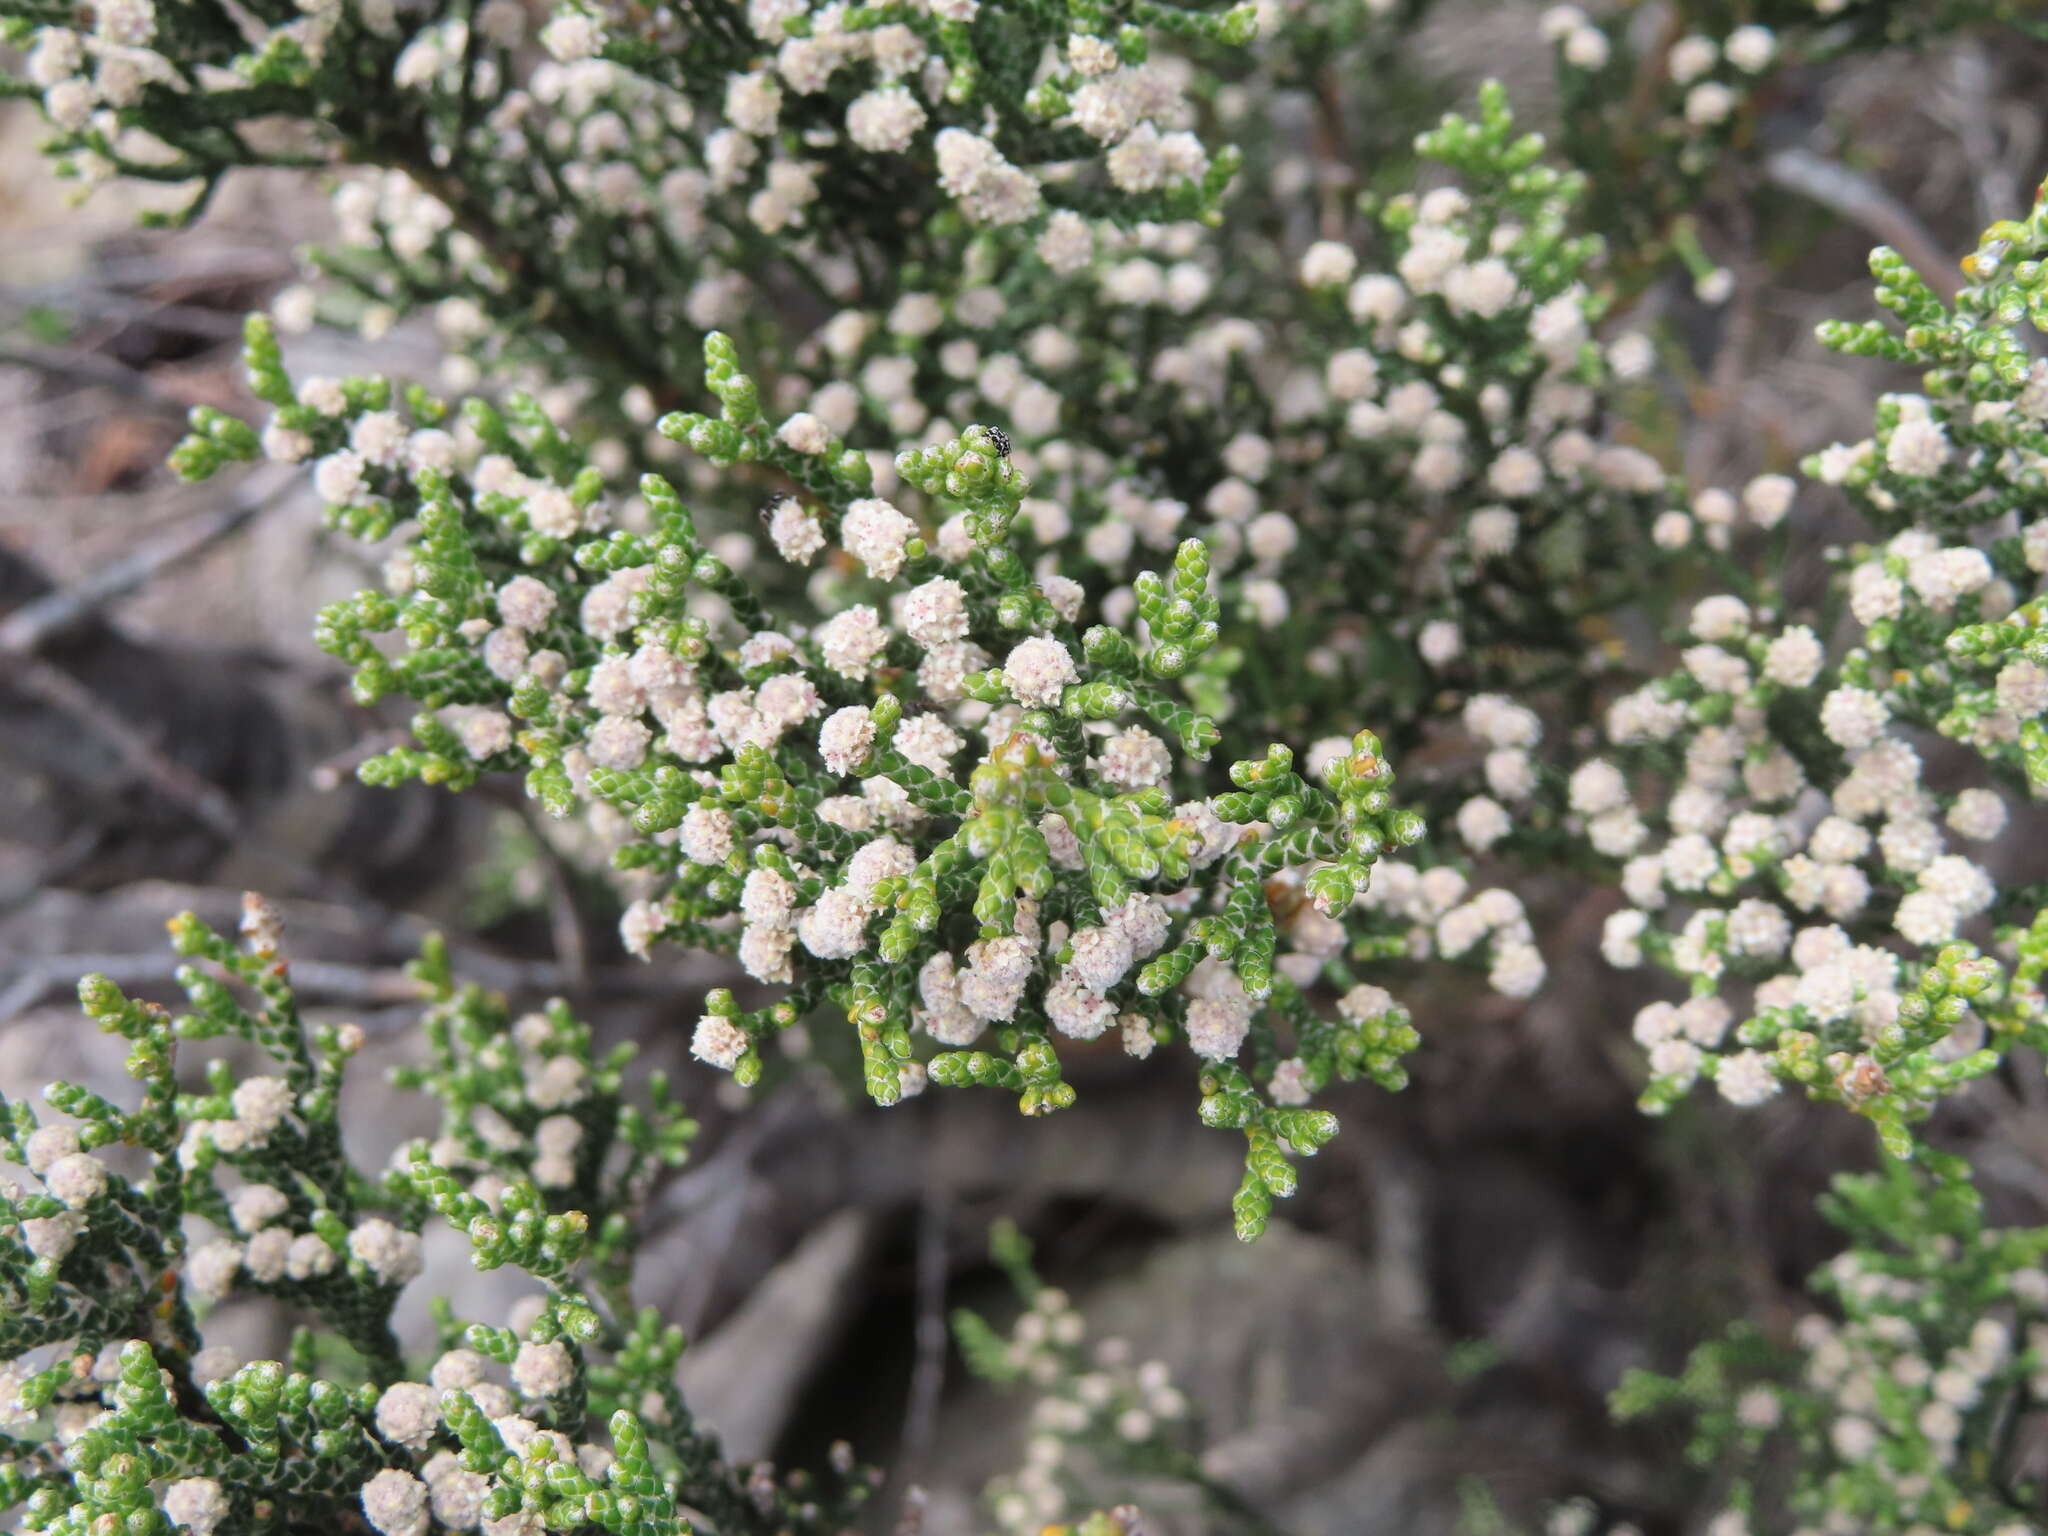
<point>1939,1330</point>
<point>1772,846</point>
<point>86,77</point>
<point>1706,77</point>
<point>684,700</point>
<point>1802,845</point>
<point>635,150</point>
<point>516,1401</point>
<point>1089,1397</point>
<point>415,1415</point>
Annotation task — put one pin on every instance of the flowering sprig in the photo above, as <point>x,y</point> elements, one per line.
<point>766,149</point>
<point>1654,115</point>
<point>119,1413</point>
<point>1781,919</point>
<point>1100,1418</point>
<point>1082,878</point>
<point>540,1128</point>
<point>1948,620</point>
<point>1898,1410</point>
<point>944,83</point>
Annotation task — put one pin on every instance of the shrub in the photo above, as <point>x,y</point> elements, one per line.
<point>973,544</point>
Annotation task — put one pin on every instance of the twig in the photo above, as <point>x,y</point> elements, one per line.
<point>1862,201</point>
<point>385,930</point>
<point>566,930</point>
<point>199,798</point>
<point>51,868</point>
<point>565,918</point>
<point>928,1376</point>
<point>1997,189</point>
<point>1400,1234</point>
<point>192,794</point>
<point>178,319</point>
<point>88,370</point>
<point>348,983</point>
<point>99,508</point>
<point>35,624</point>
<point>53,616</point>
<point>706,1201</point>
<point>1712,450</point>
<point>1330,145</point>
<point>712,1244</point>
<point>331,980</point>
<point>565,923</point>
<point>327,774</point>
<point>1242,1514</point>
<point>230,265</point>
<point>774,1121</point>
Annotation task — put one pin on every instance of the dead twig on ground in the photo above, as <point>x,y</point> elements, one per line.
<point>91,370</point>
<point>55,615</point>
<point>205,803</point>
<point>1863,202</point>
<point>928,1374</point>
<point>326,980</point>
<point>103,307</point>
<point>1970,86</point>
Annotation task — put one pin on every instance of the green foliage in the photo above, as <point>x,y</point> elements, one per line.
<point>1897,1410</point>
<point>1101,1419</point>
<point>936,513</point>
<point>135,1423</point>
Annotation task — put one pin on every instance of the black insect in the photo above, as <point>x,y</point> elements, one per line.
<point>768,507</point>
<point>999,440</point>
